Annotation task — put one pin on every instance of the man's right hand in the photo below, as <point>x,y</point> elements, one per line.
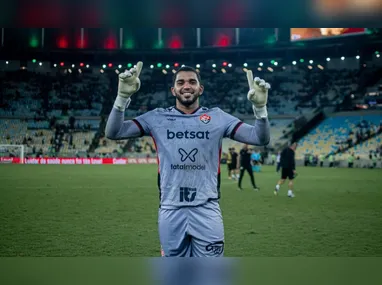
<point>129,82</point>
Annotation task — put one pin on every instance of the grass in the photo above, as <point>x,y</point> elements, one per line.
<point>62,210</point>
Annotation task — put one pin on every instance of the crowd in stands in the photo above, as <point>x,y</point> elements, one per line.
<point>63,113</point>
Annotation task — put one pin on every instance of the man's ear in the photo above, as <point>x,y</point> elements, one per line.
<point>201,89</point>
<point>173,91</point>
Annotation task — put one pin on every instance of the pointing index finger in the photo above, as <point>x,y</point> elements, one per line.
<point>139,68</point>
<point>250,79</point>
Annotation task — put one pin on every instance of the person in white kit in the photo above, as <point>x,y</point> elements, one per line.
<point>188,139</point>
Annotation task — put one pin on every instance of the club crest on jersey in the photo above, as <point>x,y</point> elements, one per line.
<point>205,118</point>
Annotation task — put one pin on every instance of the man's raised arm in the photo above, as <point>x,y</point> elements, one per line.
<point>116,127</point>
<point>259,133</point>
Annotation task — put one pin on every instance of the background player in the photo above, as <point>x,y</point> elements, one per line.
<point>229,163</point>
<point>256,160</point>
<point>246,165</point>
<point>188,139</point>
<point>234,173</point>
<point>288,168</point>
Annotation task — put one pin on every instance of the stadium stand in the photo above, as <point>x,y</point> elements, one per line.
<point>63,111</point>
<point>336,133</point>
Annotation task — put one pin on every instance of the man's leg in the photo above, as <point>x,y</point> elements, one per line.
<point>236,172</point>
<point>249,170</point>
<point>284,174</point>
<point>207,230</point>
<point>174,239</point>
<point>242,169</point>
<point>290,188</point>
<point>290,184</point>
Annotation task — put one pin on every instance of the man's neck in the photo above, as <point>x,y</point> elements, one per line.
<point>187,109</point>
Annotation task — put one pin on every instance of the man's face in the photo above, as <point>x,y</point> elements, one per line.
<point>187,88</point>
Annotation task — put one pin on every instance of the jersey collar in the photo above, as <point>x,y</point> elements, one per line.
<point>180,111</point>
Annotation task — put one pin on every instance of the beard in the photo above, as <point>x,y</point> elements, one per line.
<point>187,102</point>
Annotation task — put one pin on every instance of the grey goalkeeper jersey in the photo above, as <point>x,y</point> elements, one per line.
<point>188,148</point>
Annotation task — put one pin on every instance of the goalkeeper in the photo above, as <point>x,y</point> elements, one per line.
<point>188,138</point>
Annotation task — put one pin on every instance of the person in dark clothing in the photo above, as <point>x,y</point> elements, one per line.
<point>288,168</point>
<point>245,165</point>
<point>234,169</point>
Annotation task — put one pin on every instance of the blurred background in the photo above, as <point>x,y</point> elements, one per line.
<point>58,85</point>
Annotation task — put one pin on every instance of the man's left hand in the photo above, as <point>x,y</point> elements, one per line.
<point>258,90</point>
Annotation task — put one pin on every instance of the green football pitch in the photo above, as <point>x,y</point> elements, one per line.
<point>62,210</point>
